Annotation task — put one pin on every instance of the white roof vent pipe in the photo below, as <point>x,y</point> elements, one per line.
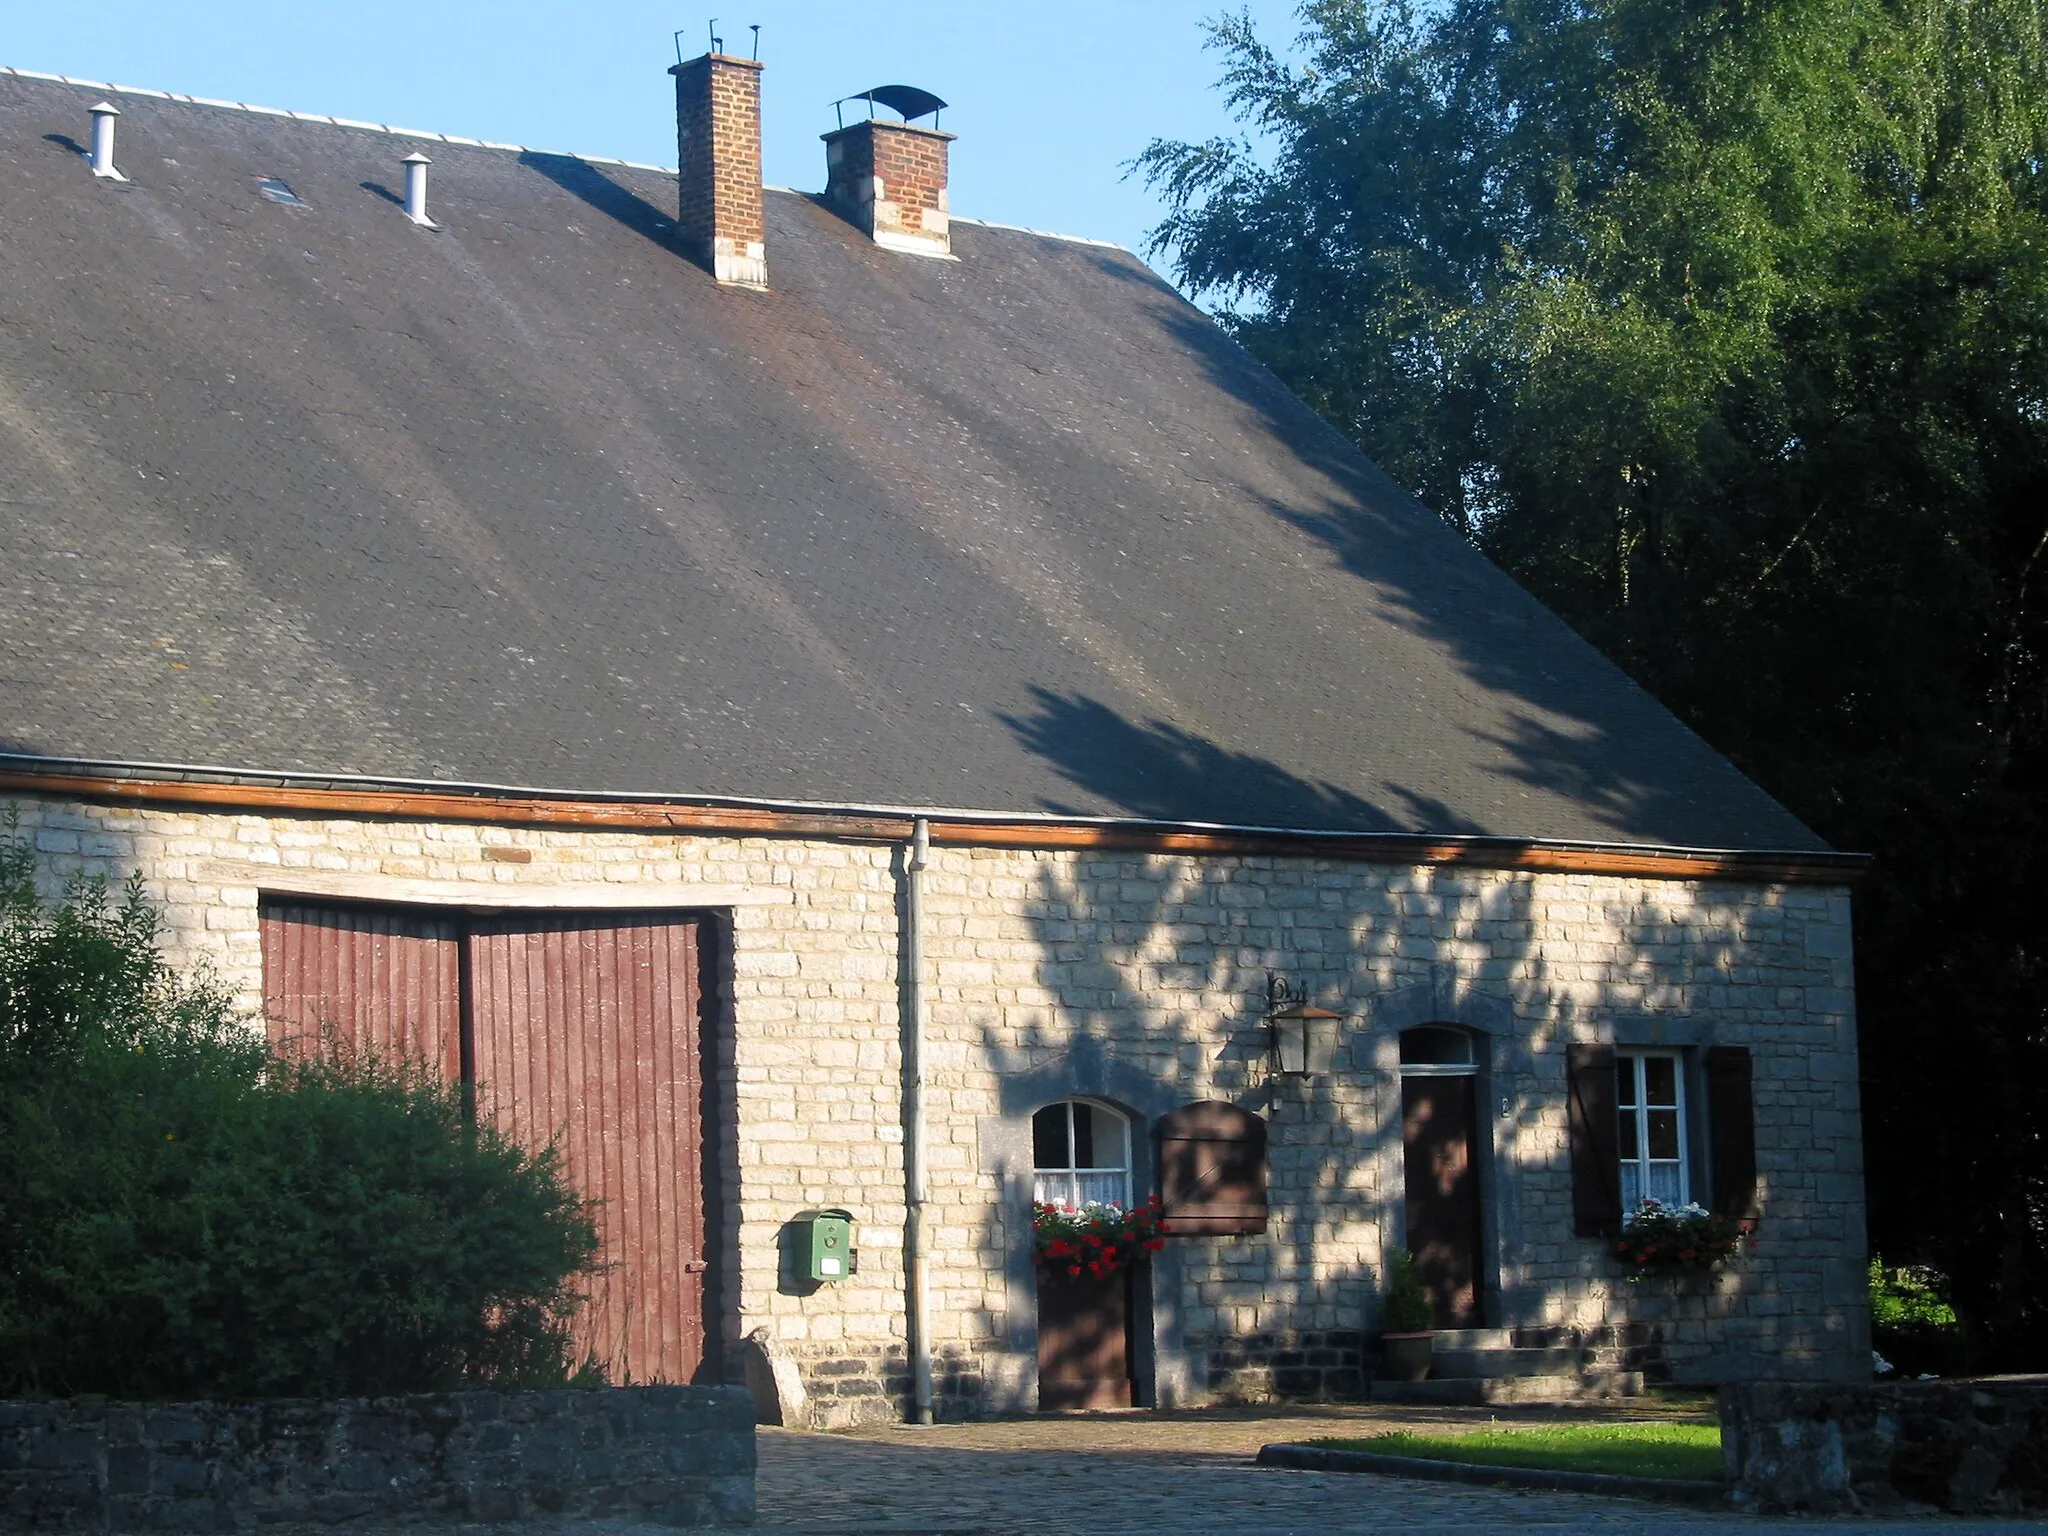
<point>103,115</point>
<point>416,189</point>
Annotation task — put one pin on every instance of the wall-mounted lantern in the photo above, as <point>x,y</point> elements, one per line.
<point>1301,1037</point>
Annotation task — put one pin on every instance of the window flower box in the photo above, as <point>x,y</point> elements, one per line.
<point>1097,1239</point>
<point>1660,1239</point>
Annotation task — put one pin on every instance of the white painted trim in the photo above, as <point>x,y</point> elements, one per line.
<point>582,896</point>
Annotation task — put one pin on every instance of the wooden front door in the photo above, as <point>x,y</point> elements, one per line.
<point>1438,1118</point>
<point>1084,1340</point>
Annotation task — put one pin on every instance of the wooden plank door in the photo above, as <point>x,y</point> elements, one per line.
<point>586,1030</point>
<point>351,979</point>
<point>1438,1118</point>
<point>1084,1340</point>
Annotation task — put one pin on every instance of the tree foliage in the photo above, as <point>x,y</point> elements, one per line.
<point>1723,326</point>
<point>181,1214</point>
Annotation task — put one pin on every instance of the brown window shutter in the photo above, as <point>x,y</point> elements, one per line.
<point>1731,1126</point>
<point>1596,1149</point>
<point>1212,1170</point>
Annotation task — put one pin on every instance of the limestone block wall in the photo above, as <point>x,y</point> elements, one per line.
<point>1138,980</point>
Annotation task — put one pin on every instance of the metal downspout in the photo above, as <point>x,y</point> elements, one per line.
<point>913,1117</point>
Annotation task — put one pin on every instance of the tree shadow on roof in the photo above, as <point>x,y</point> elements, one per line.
<point>1156,770</point>
<point>1566,723</point>
<point>581,179</point>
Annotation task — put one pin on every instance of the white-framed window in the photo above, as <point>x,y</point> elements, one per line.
<point>1650,1098</point>
<point>1081,1155</point>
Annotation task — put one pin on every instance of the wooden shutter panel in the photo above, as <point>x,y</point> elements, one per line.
<point>1212,1170</point>
<point>1731,1127</point>
<point>1595,1140</point>
<point>380,979</point>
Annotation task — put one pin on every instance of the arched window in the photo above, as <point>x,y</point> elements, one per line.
<point>1081,1155</point>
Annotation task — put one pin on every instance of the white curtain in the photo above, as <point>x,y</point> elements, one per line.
<point>1079,1189</point>
<point>1664,1185</point>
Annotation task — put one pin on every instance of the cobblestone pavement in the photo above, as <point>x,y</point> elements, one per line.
<point>1160,1475</point>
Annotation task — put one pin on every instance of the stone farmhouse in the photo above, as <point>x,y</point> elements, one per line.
<point>826,706</point>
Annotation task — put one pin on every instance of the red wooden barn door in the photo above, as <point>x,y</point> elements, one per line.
<point>385,980</point>
<point>586,1030</point>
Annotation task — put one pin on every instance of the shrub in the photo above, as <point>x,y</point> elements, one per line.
<point>183,1214</point>
<point>1912,1325</point>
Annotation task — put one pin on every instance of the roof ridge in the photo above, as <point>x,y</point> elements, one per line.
<point>1044,234</point>
<point>427,134</point>
<point>430,136</point>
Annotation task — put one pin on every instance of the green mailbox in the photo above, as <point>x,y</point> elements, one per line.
<point>825,1244</point>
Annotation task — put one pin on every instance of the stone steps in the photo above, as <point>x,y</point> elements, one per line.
<point>1510,1362</point>
<point>1476,1366</point>
<point>1479,1391</point>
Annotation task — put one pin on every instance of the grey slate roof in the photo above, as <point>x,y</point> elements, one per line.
<point>532,501</point>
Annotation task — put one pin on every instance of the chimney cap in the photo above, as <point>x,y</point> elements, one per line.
<point>906,101</point>
<point>104,109</point>
<point>415,158</point>
<point>729,60</point>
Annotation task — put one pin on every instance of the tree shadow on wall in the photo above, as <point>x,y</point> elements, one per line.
<point>1149,992</point>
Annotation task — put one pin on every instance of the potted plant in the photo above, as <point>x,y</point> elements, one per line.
<point>1407,1318</point>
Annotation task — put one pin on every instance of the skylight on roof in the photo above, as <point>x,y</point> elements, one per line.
<point>278,192</point>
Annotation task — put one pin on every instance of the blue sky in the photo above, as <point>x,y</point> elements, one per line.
<point>1049,98</point>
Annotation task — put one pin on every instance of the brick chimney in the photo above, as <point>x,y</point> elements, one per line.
<point>889,180</point>
<point>718,153</point>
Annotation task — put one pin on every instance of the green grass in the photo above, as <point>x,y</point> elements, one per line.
<point>1686,1451</point>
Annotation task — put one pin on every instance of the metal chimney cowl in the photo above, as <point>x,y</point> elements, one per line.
<point>102,154</point>
<point>416,189</point>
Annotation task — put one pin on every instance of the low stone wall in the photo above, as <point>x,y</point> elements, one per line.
<point>1968,1447</point>
<point>666,1455</point>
